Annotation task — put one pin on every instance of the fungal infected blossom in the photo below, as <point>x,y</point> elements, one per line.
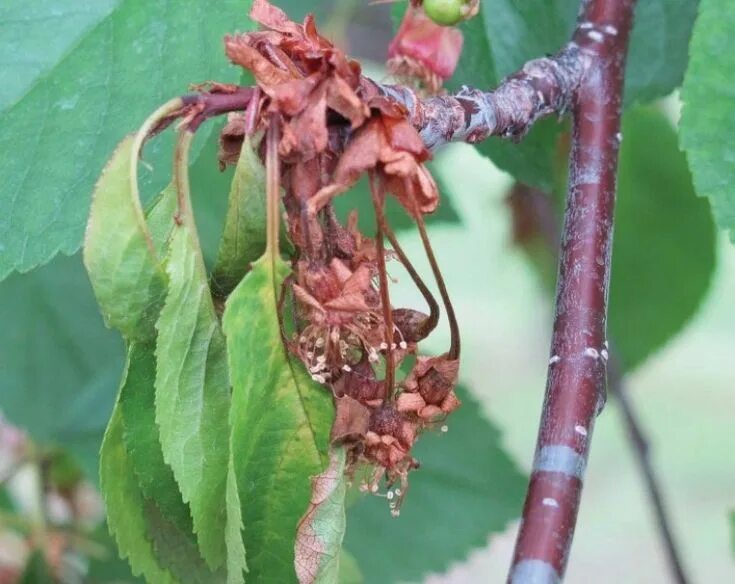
<point>336,313</point>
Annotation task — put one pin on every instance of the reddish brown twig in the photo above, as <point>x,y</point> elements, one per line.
<point>577,368</point>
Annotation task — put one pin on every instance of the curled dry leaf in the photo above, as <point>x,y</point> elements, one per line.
<point>321,530</point>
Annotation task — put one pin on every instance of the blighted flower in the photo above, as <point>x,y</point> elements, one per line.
<point>424,51</point>
<point>328,129</point>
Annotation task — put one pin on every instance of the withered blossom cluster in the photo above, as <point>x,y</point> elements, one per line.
<point>332,129</point>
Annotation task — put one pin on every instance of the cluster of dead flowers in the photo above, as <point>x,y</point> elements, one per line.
<point>332,128</point>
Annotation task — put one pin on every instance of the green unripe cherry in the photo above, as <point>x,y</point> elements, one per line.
<point>444,12</point>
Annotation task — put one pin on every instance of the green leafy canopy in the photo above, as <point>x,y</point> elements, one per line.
<point>94,68</point>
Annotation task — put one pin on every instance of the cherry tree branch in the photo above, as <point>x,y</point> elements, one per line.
<point>575,391</point>
<point>535,219</point>
<point>542,87</point>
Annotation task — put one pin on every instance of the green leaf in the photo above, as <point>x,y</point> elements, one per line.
<point>94,73</point>
<point>732,531</point>
<point>163,519</point>
<point>467,487</point>
<point>280,423</point>
<point>126,506</point>
<point>192,388</point>
<point>707,123</point>
<point>243,240</point>
<point>118,252</point>
<point>60,22</point>
<point>57,355</point>
<point>664,244</point>
<point>169,519</point>
<point>322,528</point>
<point>658,52</point>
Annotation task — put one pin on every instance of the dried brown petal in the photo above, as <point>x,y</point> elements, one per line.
<point>360,383</point>
<point>241,53</point>
<point>410,402</point>
<point>351,421</point>
<point>433,378</point>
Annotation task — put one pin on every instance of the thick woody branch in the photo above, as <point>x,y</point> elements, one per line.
<point>535,220</point>
<point>575,391</point>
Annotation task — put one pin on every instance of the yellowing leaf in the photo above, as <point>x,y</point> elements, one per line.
<point>280,423</point>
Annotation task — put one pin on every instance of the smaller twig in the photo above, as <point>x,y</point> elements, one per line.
<point>454,348</point>
<point>434,312</point>
<point>642,449</point>
<point>378,203</point>
<point>273,186</point>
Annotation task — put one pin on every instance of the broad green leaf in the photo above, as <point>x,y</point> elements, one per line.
<point>243,240</point>
<point>126,506</point>
<point>322,528</point>
<point>707,122</point>
<point>61,22</point>
<point>192,389</point>
<point>658,52</point>
<point>118,251</point>
<point>467,488</point>
<point>280,424</point>
<point>56,354</point>
<point>664,244</point>
<point>162,520</point>
<point>97,74</point>
<point>168,517</point>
